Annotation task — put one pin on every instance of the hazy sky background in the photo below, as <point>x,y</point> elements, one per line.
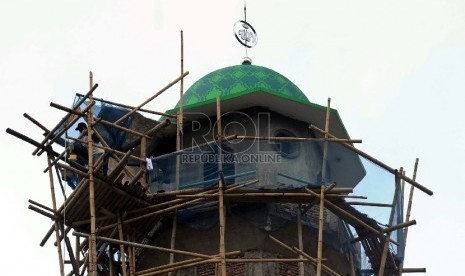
<point>395,71</point>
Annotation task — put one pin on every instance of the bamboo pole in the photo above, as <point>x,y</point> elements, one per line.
<point>221,190</point>
<point>369,204</point>
<point>130,257</point>
<point>409,208</point>
<point>77,248</point>
<point>131,107</point>
<point>179,137</point>
<point>57,230</point>
<point>121,248</point>
<point>274,138</point>
<point>73,260</point>
<point>379,163</point>
<point>27,116</point>
<point>322,193</point>
<point>151,98</point>
<point>410,197</point>
<point>388,234</point>
<point>320,231</point>
<point>300,239</point>
<point>181,263</point>
<point>181,267</point>
<point>92,240</point>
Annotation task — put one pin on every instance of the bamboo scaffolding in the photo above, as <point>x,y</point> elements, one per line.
<point>69,123</point>
<point>379,163</point>
<point>63,120</point>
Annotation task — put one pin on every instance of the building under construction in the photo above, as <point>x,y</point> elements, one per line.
<point>245,176</point>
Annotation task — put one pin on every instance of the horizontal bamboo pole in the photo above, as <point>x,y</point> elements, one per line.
<point>76,171</point>
<point>269,260</point>
<point>27,116</point>
<point>153,97</point>
<point>145,246</point>
<point>42,212</point>
<point>404,270</point>
<point>158,127</point>
<point>164,271</point>
<point>180,263</point>
<point>42,206</point>
<point>30,141</point>
<point>122,128</point>
<point>131,107</point>
<point>399,226</point>
<point>379,163</point>
<point>369,204</point>
<point>271,138</point>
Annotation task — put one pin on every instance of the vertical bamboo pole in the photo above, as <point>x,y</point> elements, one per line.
<point>410,197</point>
<point>320,231</point>
<point>325,144</point>
<point>143,164</point>
<point>130,257</point>
<point>301,243</point>
<point>78,249</point>
<point>409,208</point>
<point>391,218</point>
<point>322,193</point>
<point>221,191</point>
<point>179,137</point>
<point>92,239</point>
<point>121,247</point>
<point>111,264</point>
<point>54,206</point>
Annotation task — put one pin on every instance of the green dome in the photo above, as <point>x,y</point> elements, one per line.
<point>239,80</point>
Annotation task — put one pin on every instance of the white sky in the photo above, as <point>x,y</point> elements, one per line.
<point>395,70</point>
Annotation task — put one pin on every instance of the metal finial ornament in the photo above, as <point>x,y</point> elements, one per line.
<point>245,33</point>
